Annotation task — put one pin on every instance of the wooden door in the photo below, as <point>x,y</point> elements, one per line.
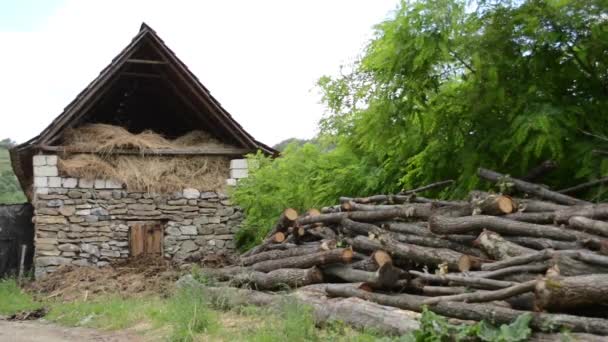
<point>146,239</point>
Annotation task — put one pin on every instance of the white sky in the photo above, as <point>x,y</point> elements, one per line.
<point>260,59</point>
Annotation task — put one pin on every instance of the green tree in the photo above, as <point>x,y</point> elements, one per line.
<point>447,86</point>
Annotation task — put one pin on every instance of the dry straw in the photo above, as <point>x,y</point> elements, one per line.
<point>144,172</point>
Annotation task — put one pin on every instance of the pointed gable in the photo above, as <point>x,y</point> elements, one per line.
<point>146,86</point>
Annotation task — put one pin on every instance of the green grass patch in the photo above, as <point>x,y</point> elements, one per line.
<point>108,313</point>
<point>13,299</point>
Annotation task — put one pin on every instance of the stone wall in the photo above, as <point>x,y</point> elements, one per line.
<point>87,222</point>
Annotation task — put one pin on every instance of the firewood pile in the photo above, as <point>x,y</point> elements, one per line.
<point>491,256</point>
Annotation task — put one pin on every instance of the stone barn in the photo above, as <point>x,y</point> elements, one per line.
<point>138,164</point>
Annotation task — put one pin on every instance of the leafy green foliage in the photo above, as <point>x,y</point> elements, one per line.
<point>283,144</point>
<point>447,86</point>
<point>10,191</point>
<point>13,299</point>
<point>435,328</point>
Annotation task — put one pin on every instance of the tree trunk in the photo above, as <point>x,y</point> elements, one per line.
<point>385,277</point>
<point>437,242</point>
<point>459,225</point>
<point>519,271</point>
<point>588,225</point>
<point>356,312</point>
<point>279,279</point>
<point>518,260</point>
<point>373,262</point>
<point>593,211</point>
<point>443,290</point>
<point>535,206</point>
<point>492,204</point>
<point>359,228</point>
<point>530,188</point>
<point>339,255</point>
<point>498,248</point>
<point>405,211</point>
<point>485,296</point>
<point>584,186</point>
<point>287,219</point>
<point>280,254</point>
<point>563,293</point>
<point>475,282</point>
<point>540,243</point>
<point>477,312</point>
<point>544,217</point>
<point>418,254</point>
<point>569,266</point>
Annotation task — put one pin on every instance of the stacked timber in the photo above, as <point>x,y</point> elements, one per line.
<point>496,255</point>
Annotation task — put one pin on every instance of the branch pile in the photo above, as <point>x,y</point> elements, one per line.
<point>496,256</point>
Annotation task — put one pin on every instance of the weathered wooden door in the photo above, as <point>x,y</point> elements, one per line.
<point>146,239</point>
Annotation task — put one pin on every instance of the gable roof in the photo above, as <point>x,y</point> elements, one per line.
<point>174,73</point>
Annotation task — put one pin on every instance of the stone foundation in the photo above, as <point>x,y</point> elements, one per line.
<point>87,223</point>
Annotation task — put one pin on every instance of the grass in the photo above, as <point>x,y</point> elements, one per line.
<point>10,191</point>
<point>184,316</point>
<point>13,299</point>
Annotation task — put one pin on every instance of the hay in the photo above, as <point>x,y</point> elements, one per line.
<point>146,173</point>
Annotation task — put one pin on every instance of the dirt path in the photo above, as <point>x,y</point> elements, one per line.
<point>39,331</point>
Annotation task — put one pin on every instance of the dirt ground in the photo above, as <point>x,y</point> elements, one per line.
<point>40,331</point>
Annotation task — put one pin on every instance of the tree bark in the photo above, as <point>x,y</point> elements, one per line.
<point>544,217</point>
<point>562,293</point>
<point>588,225</point>
<point>475,282</point>
<point>286,219</point>
<point>530,188</point>
<point>279,279</point>
<point>584,186</point>
<point>418,254</point>
<point>373,262</point>
<point>540,243</point>
<point>385,277</point>
<point>492,204</point>
<point>428,187</point>
<point>535,206</point>
<point>405,211</point>
<point>437,242</point>
<point>485,296</point>
<point>443,290</point>
<point>339,255</point>
<point>459,225</point>
<point>498,248</point>
<point>280,254</point>
<point>519,270</point>
<point>518,260</point>
<point>569,266</point>
<point>359,228</point>
<point>593,211</point>
<point>478,312</point>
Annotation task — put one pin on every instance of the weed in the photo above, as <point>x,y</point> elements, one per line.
<point>13,299</point>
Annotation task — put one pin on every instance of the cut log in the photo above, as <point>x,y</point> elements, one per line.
<point>491,204</point>
<point>569,266</point>
<point>339,255</point>
<point>543,217</point>
<point>467,263</point>
<point>443,290</point>
<point>279,279</point>
<point>459,225</point>
<point>591,258</point>
<point>437,242</point>
<point>519,271</point>
<point>407,228</point>
<point>322,232</point>
<point>535,206</point>
<point>418,254</point>
<point>280,254</point>
<point>356,312</point>
<point>405,211</point>
<point>373,262</point>
<point>475,282</point>
<point>563,293</point>
<point>594,211</point>
<point>352,228</point>
<point>589,225</point>
<point>529,188</point>
<point>498,248</point>
<point>540,243</point>
<point>485,296</point>
<point>385,277</point>
<point>477,312</point>
<point>518,260</point>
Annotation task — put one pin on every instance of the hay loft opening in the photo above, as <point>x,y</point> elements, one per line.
<point>146,88</point>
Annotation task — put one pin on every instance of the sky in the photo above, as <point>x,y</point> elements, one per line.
<point>260,59</point>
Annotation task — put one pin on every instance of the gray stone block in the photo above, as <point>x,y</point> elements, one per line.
<point>238,164</point>
<point>51,160</point>
<point>191,193</point>
<point>69,183</point>
<point>39,160</point>
<point>188,230</point>
<point>46,171</point>
<point>113,184</point>
<point>99,184</point>
<point>85,183</point>
<point>41,182</point>
<point>54,182</point>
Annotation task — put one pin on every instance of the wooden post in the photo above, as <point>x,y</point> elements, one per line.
<point>21,262</point>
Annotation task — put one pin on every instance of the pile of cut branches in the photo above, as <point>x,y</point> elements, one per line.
<point>490,257</point>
